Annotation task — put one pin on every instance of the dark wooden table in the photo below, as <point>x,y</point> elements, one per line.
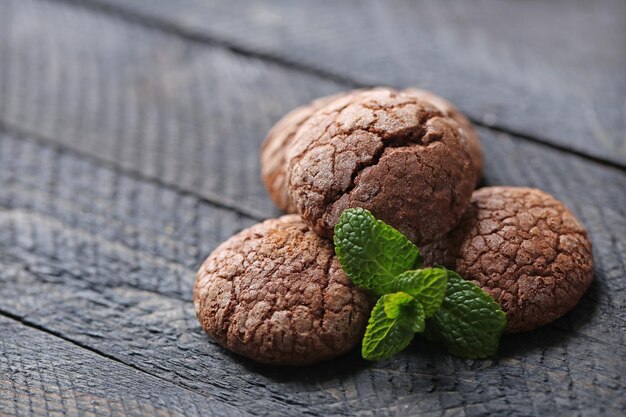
<point>129,136</point>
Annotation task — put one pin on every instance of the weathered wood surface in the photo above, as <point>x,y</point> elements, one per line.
<point>554,70</point>
<point>126,292</point>
<point>143,156</point>
<point>41,374</point>
<point>146,101</point>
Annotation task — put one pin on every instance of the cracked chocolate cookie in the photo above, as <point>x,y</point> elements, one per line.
<point>274,151</point>
<point>386,151</point>
<point>276,293</point>
<point>523,247</point>
<point>472,141</point>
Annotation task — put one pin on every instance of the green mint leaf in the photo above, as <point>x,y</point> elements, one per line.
<point>371,252</point>
<point>394,304</point>
<point>407,309</point>
<point>428,286</point>
<point>413,317</point>
<point>469,322</point>
<point>385,336</point>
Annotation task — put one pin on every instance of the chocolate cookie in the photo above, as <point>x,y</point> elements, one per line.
<point>523,247</point>
<point>274,149</point>
<point>386,151</point>
<point>472,141</point>
<point>276,293</point>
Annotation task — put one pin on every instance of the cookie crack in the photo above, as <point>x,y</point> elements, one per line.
<point>406,138</point>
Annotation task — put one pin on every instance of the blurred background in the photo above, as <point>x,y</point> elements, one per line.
<point>160,86</point>
<point>129,149</point>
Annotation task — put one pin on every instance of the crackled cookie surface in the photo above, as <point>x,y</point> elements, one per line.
<point>471,136</point>
<point>276,293</point>
<point>523,247</point>
<point>386,151</point>
<point>274,151</point>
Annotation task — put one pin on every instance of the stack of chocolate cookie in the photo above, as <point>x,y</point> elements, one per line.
<point>276,292</point>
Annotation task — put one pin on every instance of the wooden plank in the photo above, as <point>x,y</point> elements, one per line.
<point>44,375</point>
<point>553,70</point>
<point>145,101</point>
<point>131,300</point>
<point>552,371</point>
<point>107,259</point>
<point>139,214</point>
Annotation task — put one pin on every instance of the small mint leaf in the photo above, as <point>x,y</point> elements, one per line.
<point>406,309</point>
<point>394,303</point>
<point>385,336</point>
<point>428,286</point>
<point>371,252</point>
<point>469,322</point>
<point>413,317</point>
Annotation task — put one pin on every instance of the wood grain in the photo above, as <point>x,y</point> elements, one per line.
<point>145,101</point>
<point>138,154</point>
<point>41,374</point>
<point>131,300</point>
<point>553,70</point>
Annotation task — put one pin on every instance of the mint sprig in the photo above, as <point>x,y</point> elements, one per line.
<point>412,300</point>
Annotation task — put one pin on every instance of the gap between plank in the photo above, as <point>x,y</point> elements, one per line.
<point>173,29</point>
<point>540,142</point>
<point>214,200</point>
<point>58,335</point>
<point>94,286</point>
